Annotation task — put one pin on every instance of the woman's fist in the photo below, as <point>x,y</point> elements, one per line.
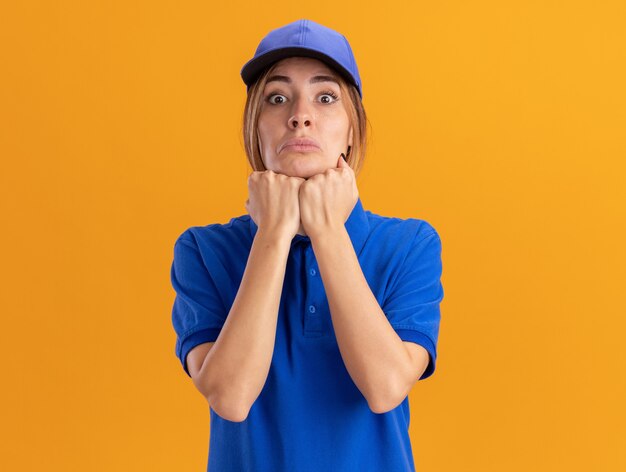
<point>273,202</point>
<point>327,199</point>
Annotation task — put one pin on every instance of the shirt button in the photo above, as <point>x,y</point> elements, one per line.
<point>311,308</point>
<point>312,272</point>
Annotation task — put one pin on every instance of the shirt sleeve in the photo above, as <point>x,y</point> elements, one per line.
<point>198,313</point>
<point>412,306</point>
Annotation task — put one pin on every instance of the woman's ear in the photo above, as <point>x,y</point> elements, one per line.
<point>350,137</point>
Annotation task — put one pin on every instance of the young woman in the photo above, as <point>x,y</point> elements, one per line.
<point>306,322</point>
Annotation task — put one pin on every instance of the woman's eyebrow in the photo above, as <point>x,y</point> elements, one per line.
<point>313,80</point>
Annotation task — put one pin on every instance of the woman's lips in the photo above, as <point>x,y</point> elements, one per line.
<point>300,144</point>
<point>300,148</point>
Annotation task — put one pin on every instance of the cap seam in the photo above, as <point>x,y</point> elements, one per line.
<point>302,32</point>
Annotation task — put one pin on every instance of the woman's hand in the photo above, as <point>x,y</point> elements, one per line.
<point>327,199</point>
<point>273,202</point>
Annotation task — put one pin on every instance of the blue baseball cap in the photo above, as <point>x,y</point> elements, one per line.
<point>303,38</point>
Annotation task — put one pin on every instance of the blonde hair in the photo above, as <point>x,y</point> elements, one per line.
<point>354,108</point>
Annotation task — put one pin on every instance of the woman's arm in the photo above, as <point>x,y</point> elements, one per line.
<point>235,368</point>
<point>379,362</point>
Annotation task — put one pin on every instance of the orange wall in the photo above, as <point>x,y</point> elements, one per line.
<point>501,123</point>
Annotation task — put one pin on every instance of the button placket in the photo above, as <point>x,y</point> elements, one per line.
<point>313,322</point>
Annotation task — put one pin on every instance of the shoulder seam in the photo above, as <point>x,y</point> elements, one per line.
<point>431,231</point>
<point>427,236</point>
<point>187,243</point>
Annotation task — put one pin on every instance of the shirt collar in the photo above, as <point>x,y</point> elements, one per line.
<point>357,226</point>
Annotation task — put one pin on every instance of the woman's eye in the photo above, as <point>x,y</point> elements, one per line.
<point>269,99</point>
<point>329,94</point>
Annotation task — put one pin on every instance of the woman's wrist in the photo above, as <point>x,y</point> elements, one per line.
<point>273,235</point>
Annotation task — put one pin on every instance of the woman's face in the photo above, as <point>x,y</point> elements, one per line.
<point>300,102</point>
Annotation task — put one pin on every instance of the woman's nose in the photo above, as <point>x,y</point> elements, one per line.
<point>301,115</point>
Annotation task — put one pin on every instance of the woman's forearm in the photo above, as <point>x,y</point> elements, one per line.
<point>236,368</point>
<point>373,354</point>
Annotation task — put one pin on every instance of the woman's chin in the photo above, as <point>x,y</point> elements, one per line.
<point>304,169</point>
<point>307,175</point>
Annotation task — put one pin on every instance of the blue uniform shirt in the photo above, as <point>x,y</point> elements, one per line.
<point>310,416</point>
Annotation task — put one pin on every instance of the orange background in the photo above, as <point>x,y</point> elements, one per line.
<point>501,123</point>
